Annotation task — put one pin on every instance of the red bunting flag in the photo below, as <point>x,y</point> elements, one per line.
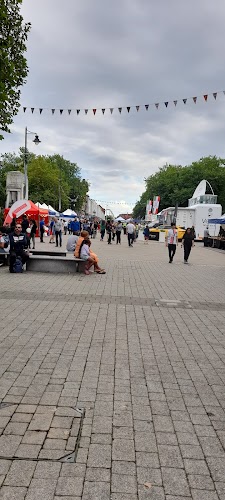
<point>103,111</point>
<point>166,103</point>
<point>120,109</point>
<point>24,110</point>
<point>69,111</point>
<point>111,110</point>
<point>78,111</point>
<point>94,110</point>
<point>61,111</point>
<point>40,109</point>
<point>195,99</point>
<point>157,105</point>
<point>128,109</point>
<point>184,101</point>
<point>175,103</point>
<point>86,111</point>
<point>146,107</point>
<point>215,95</point>
<point>205,97</point>
<point>137,108</point>
<point>53,111</point>
<point>32,110</point>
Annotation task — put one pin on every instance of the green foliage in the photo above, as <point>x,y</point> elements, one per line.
<point>13,65</point>
<point>47,176</point>
<point>175,184</point>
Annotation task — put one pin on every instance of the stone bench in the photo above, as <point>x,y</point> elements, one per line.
<point>55,264</point>
<point>57,253</point>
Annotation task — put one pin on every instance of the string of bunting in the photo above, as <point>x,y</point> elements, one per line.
<point>126,108</point>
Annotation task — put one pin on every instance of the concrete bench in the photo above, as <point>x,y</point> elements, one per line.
<point>53,253</point>
<point>55,264</point>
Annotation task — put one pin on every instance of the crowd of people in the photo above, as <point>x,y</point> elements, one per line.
<point>80,232</point>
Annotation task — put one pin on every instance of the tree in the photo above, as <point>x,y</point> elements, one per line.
<point>13,65</point>
<point>176,184</point>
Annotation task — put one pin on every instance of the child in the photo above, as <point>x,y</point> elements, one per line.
<point>85,254</point>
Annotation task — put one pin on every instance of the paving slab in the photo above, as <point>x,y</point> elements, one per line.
<point>142,350</point>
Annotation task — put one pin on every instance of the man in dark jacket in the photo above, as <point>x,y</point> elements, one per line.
<point>25,223</point>
<point>18,244</point>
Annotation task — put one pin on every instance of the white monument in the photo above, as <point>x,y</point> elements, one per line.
<point>15,186</point>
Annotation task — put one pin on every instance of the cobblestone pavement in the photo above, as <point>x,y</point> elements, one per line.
<point>142,351</point>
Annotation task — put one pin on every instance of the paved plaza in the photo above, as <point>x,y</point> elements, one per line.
<point>112,387</point>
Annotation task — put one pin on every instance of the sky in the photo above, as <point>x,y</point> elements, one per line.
<point>99,54</point>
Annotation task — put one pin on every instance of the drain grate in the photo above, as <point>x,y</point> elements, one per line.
<point>47,425</point>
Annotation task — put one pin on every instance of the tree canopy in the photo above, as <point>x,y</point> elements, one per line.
<point>47,176</point>
<point>13,65</point>
<point>176,183</point>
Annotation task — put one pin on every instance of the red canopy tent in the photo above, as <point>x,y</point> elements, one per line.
<point>21,208</point>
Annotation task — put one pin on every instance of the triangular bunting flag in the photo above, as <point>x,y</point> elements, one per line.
<point>94,111</point>
<point>111,110</point>
<point>32,110</point>
<point>61,111</point>
<point>53,111</point>
<point>78,111</point>
<point>40,109</point>
<point>146,107</point>
<point>215,95</point>
<point>86,111</point>
<point>103,111</point>
<point>137,108</point>
<point>166,103</point>
<point>24,110</point>
<point>157,105</point>
<point>224,92</point>
<point>128,109</point>
<point>175,103</point>
<point>205,97</point>
<point>69,111</point>
<point>120,109</point>
<point>195,99</point>
<point>184,101</point>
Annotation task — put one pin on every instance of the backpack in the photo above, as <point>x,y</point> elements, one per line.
<point>18,265</point>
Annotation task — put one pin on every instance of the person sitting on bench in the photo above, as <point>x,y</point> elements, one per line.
<point>18,246</point>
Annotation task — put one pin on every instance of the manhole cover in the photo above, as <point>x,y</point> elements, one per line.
<point>40,432</point>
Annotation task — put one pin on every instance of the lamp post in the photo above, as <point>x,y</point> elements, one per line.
<point>36,142</point>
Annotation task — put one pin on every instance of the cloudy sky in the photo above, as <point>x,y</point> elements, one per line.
<point>101,54</point>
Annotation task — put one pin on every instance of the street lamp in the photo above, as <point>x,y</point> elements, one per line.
<point>36,142</point>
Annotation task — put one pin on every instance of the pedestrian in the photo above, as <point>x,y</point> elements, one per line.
<point>119,228</point>
<point>75,225</point>
<point>109,231</point>
<point>72,241</point>
<point>130,229</point>
<point>65,227</point>
<point>187,242</point>
<point>146,234</point>
<point>172,241</point>
<point>102,229</point>
<point>25,223</point>
<point>124,228</point>
<point>206,237</point>
<point>33,227</point>
<point>113,231</point>
<point>58,233</point>
<point>193,232</point>
<point>42,229</point>
<point>52,230</point>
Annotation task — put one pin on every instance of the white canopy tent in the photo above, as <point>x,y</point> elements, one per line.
<point>120,219</point>
<point>68,213</point>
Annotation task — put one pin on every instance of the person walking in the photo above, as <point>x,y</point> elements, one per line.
<point>33,227</point>
<point>187,243</point>
<point>58,233</point>
<point>206,237</point>
<point>130,233</point>
<point>42,229</point>
<point>109,231</point>
<point>146,234</point>
<point>171,241</point>
<point>102,229</point>
<point>119,228</point>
